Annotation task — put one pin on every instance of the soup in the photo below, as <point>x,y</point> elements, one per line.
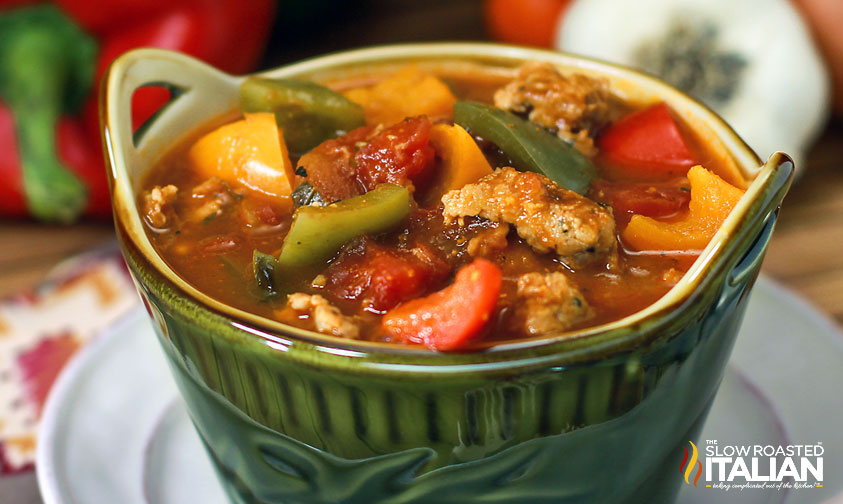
<point>439,210</point>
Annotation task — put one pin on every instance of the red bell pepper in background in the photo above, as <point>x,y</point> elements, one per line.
<point>51,163</point>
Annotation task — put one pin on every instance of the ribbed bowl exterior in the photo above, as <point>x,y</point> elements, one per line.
<point>281,429</point>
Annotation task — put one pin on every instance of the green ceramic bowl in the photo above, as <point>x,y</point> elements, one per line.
<point>287,415</point>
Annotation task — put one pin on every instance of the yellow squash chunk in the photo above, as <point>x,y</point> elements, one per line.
<point>462,160</point>
<point>712,199</point>
<point>249,153</point>
<point>406,93</point>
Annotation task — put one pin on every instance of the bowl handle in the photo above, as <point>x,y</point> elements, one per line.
<point>760,220</point>
<point>198,91</point>
<point>749,263</point>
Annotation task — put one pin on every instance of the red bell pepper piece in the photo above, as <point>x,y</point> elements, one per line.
<point>450,318</point>
<point>659,200</point>
<point>51,159</point>
<point>647,142</point>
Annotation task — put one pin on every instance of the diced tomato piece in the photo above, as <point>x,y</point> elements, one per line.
<point>658,199</point>
<point>450,318</point>
<point>399,154</point>
<point>647,142</point>
<point>330,166</point>
<point>357,162</point>
<point>382,277</point>
<point>269,215</point>
<point>257,212</point>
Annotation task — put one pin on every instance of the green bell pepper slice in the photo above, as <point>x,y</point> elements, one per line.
<point>307,112</point>
<point>530,146</point>
<point>318,232</point>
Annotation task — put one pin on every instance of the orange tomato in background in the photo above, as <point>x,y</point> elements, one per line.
<point>826,18</point>
<point>525,22</point>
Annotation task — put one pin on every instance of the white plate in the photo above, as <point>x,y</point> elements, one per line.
<point>115,430</point>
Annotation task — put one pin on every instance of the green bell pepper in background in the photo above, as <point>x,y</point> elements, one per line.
<point>318,232</point>
<point>46,70</point>
<point>307,113</point>
<point>530,146</point>
<point>53,54</point>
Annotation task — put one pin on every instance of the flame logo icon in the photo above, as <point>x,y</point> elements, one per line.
<point>688,469</point>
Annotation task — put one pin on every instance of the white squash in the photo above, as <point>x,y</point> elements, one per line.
<point>752,61</point>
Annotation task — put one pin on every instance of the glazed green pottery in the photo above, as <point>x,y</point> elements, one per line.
<point>289,416</point>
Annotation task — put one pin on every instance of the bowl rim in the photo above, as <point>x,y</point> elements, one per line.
<point>768,183</point>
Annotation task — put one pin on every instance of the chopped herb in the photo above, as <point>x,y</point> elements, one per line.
<point>307,195</point>
<point>264,268</point>
<point>301,171</point>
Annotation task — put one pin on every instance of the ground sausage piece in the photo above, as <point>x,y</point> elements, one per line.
<point>212,197</point>
<point>549,302</point>
<point>547,216</point>
<point>571,105</point>
<point>157,204</point>
<point>327,318</point>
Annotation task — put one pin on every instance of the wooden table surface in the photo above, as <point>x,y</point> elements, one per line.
<point>806,253</point>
